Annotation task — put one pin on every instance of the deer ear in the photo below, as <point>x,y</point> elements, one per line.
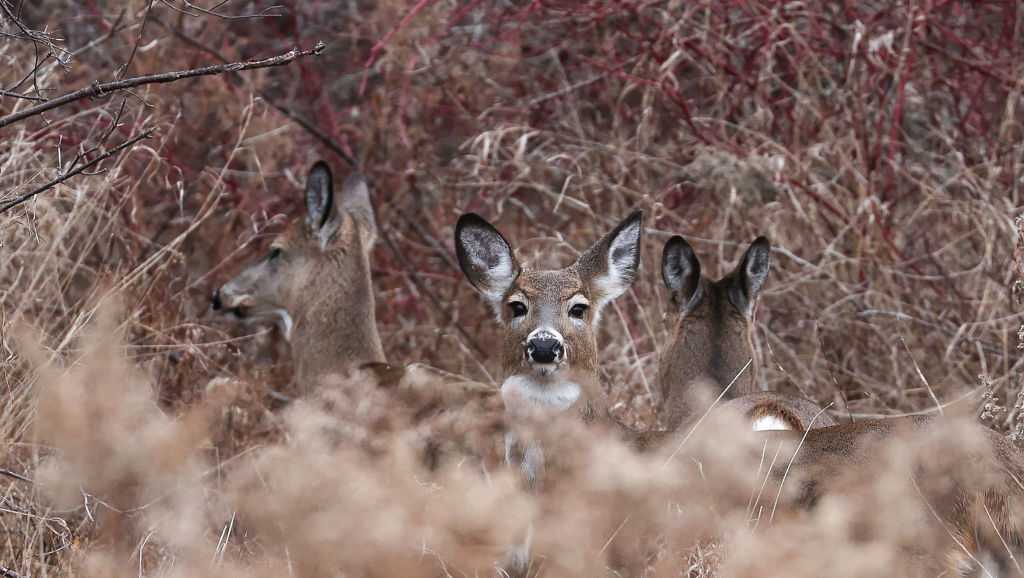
<point>610,265</point>
<point>750,275</point>
<point>485,257</point>
<point>355,201</point>
<point>319,196</point>
<point>680,270</point>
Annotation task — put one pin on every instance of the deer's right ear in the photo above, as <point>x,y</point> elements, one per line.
<point>319,196</point>
<point>750,275</point>
<point>485,257</point>
<point>680,270</point>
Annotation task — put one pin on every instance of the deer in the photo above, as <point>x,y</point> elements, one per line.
<point>314,282</point>
<point>315,285</point>
<point>549,318</point>
<point>549,359</point>
<point>712,341</point>
<point>979,504</point>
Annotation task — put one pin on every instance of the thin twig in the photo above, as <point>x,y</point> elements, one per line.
<point>138,41</point>
<point>7,573</point>
<point>298,119</point>
<point>268,12</point>
<point>920,374</point>
<point>102,88</point>
<point>81,168</point>
<point>320,135</point>
<point>13,94</point>
<point>15,475</point>
<point>411,270</point>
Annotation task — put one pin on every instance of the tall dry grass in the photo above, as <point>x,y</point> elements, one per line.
<point>878,145</point>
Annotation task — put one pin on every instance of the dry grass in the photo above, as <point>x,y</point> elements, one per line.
<point>878,145</point>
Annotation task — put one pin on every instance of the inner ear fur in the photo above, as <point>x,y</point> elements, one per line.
<point>750,275</point>
<point>610,265</point>
<point>680,271</point>
<point>485,257</point>
<point>319,195</point>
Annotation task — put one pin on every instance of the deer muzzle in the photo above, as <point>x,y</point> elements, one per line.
<point>545,347</point>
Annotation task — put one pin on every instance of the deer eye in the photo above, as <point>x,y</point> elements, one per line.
<point>275,252</point>
<point>518,308</point>
<point>578,310</point>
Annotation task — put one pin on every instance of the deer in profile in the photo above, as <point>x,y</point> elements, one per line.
<point>713,342</point>
<point>314,282</point>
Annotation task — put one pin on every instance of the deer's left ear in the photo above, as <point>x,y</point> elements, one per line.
<point>610,265</point>
<point>750,275</point>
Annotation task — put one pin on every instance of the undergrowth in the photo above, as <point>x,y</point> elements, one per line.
<point>878,145</point>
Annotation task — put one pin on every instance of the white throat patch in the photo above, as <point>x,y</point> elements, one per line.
<point>523,393</point>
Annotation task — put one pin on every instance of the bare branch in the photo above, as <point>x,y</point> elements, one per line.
<point>138,40</point>
<point>295,117</point>
<point>24,96</point>
<point>15,475</point>
<point>102,88</point>
<point>10,573</point>
<point>190,9</point>
<point>80,169</point>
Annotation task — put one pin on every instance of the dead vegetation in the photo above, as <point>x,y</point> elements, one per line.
<point>878,145</point>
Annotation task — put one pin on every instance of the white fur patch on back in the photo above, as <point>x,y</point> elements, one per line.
<point>770,423</point>
<point>522,393</point>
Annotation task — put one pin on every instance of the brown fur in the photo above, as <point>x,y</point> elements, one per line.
<point>987,480</point>
<point>550,292</point>
<point>529,302</point>
<point>318,271</point>
<point>325,288</point>
<point>713,341</point>
<point>548,297</point>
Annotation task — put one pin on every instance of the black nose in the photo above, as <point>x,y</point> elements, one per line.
<point>543,350</point>
<point>217,305</point>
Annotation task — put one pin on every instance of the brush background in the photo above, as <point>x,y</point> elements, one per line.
<point>877,144</point>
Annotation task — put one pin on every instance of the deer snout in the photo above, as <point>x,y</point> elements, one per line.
<point>228,299</point>
<point>545,346</point>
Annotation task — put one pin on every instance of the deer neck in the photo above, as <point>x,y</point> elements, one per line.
<point>334,329</point>
<point>703,353</point>
<point>576,390</point>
